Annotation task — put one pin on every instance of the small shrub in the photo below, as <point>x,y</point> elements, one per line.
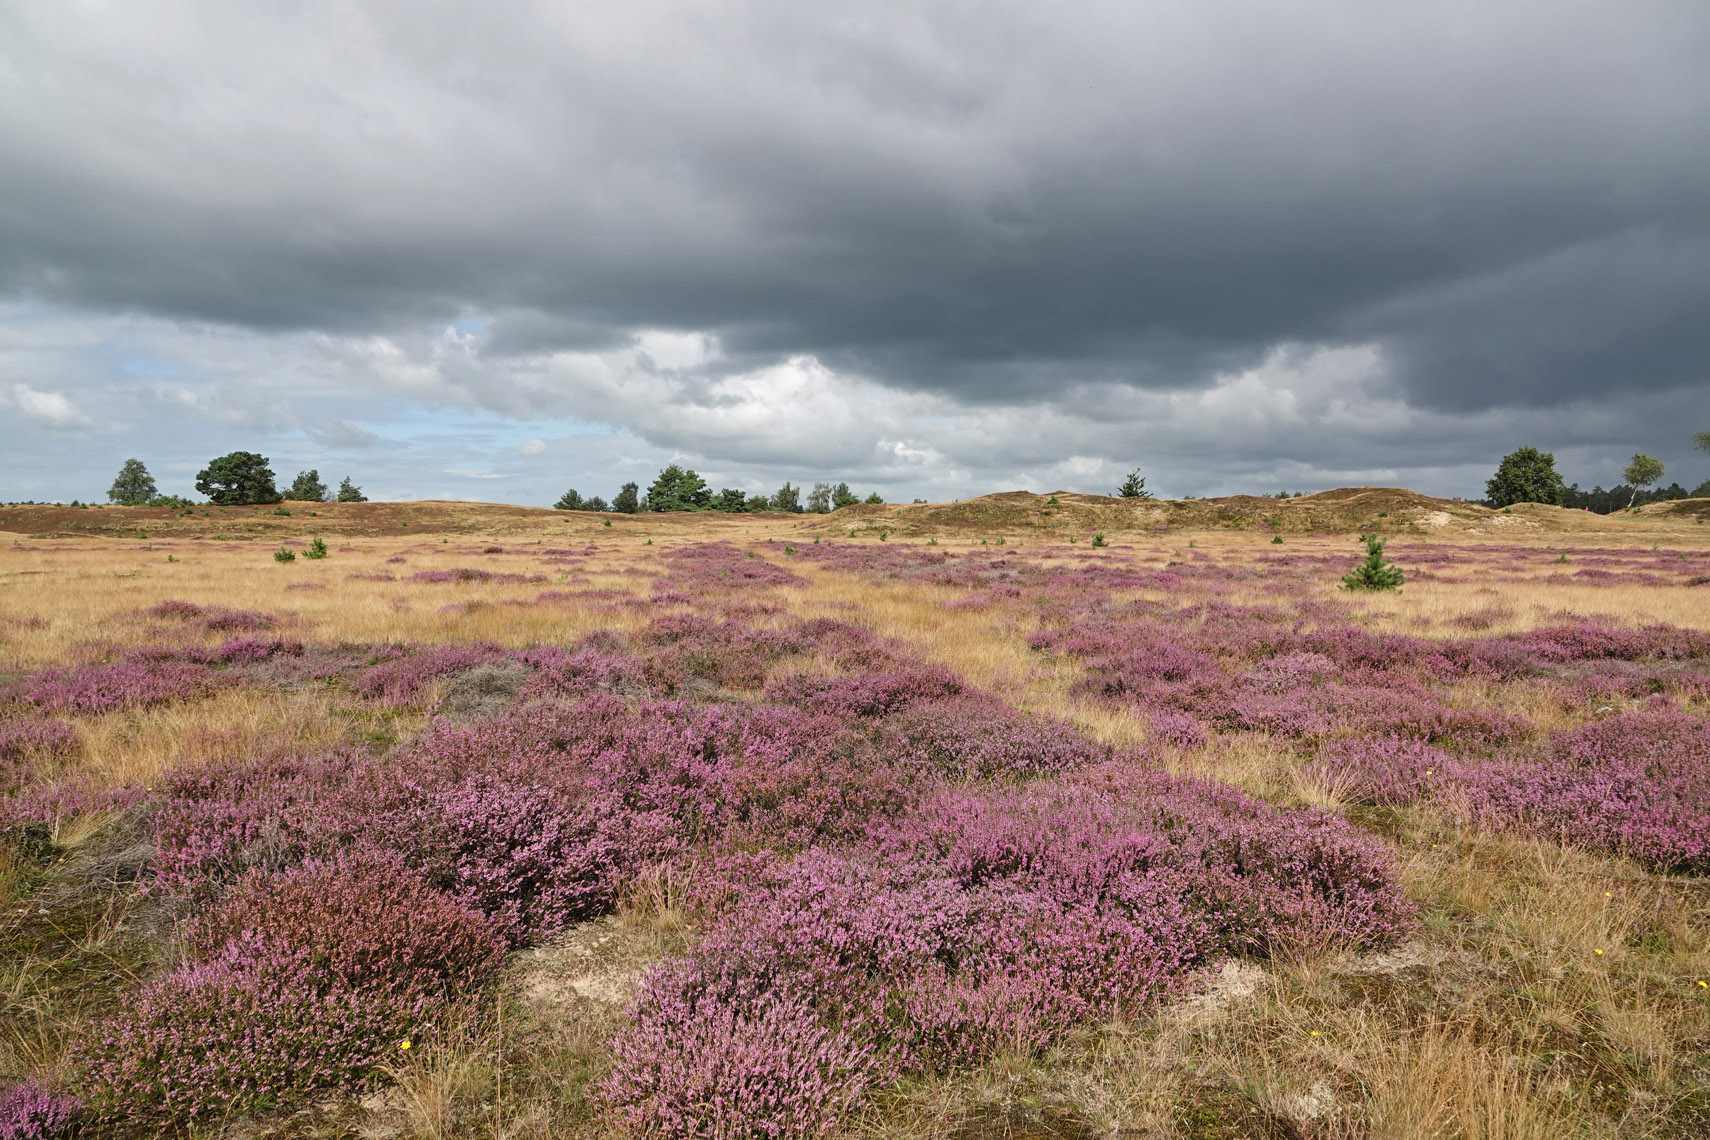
<point>1374,573</point>
<point>317,549</point>
<point>1098,541</point>
<point>1277,541</point>
<point>29,1111</point>
<point>301,981</point>
<point>284,555</point>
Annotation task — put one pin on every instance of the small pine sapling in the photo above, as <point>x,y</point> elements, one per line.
<point>317,549</point>
<point>1374,573</point>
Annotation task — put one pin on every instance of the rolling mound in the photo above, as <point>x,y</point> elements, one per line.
<point>1062,514</point>
<point>1381,510</point>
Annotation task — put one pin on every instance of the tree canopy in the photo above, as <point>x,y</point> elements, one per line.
<point>1641,473</point>
<point>307,488</point>
<point>349,492</point>
<point>238,479</point>
<point>628,500</point>
<point>134,485</point>
<point>678,489</point>
<point>1525,475</point>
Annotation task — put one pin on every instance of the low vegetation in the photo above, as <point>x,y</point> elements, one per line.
<point>520,824</point>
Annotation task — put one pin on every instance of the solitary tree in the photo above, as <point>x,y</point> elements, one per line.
<point>349,492</point>
<point>569,501</point>
<point>307,488</point>
<point>678,489</point>
<point>595,504</point>
<point>627,500</point>
<point>842,496</point>
<point>1134,487</point>
<point>1641,473</point>
<point>819,499</point>
<point>1526,476</point>
<point>134,486</point>
<point>238,479</point>
<point>787,498</point>
<point>875,498</point>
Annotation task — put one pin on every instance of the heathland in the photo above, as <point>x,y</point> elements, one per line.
<point>1025,816</point>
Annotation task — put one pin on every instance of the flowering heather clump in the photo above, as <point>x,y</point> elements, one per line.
<point>698,1064</point>
<point>235,621</point>
<point>300,982</point>
<point>465,574</point>
<point>1178,729</point>
<point>867,694</point>
<point>29,1111</point>
<point>362,920</point>
<point>212,618</point>
<point>27,744</point>
<point>980,738</point>
<point>1637,784</point>
<point>537,817</point>
<point>401,679</point>
<point>984,920</point>
<point>1383,770</point>
<point>95,689</point>
<point>715,567</point>
<point>180,611</point>
<point>209,1040</point>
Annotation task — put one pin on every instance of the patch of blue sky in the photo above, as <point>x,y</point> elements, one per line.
<point>142,364</point>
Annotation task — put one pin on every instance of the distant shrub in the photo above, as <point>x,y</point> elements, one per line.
<point>284,554</point>
<point>317,549</point>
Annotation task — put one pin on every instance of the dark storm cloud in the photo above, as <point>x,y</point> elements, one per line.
<point>994,204</point>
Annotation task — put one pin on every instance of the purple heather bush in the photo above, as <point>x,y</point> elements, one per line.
<point>465,574</point>
<point>1383,770</point>
<point>299,982</point>
<point>27,746</point>
<point>981,738</point>
<point>865,694</point>
<point>31,1111</point>
<point>1637,784</point>
<point>94,689</point>
<point>986,919</point>
<point>400,679</point>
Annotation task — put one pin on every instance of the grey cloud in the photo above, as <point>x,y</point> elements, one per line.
<point>1060,210</point>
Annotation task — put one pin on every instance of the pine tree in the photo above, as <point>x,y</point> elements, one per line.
<point>307,488</point>
<point>1374,573</point>
<point>134,486</point>
<point>238,479</point>
<point>1134,487</point>
<point>349,492</point>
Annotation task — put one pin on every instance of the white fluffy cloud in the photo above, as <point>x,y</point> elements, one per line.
<point>51,410</point>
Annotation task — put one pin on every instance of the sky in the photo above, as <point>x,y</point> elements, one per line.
<point>933,249</point>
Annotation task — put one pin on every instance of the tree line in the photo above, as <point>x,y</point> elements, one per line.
<point>241,478</point>
<point>1528,475</point>
<point>682,489</point>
